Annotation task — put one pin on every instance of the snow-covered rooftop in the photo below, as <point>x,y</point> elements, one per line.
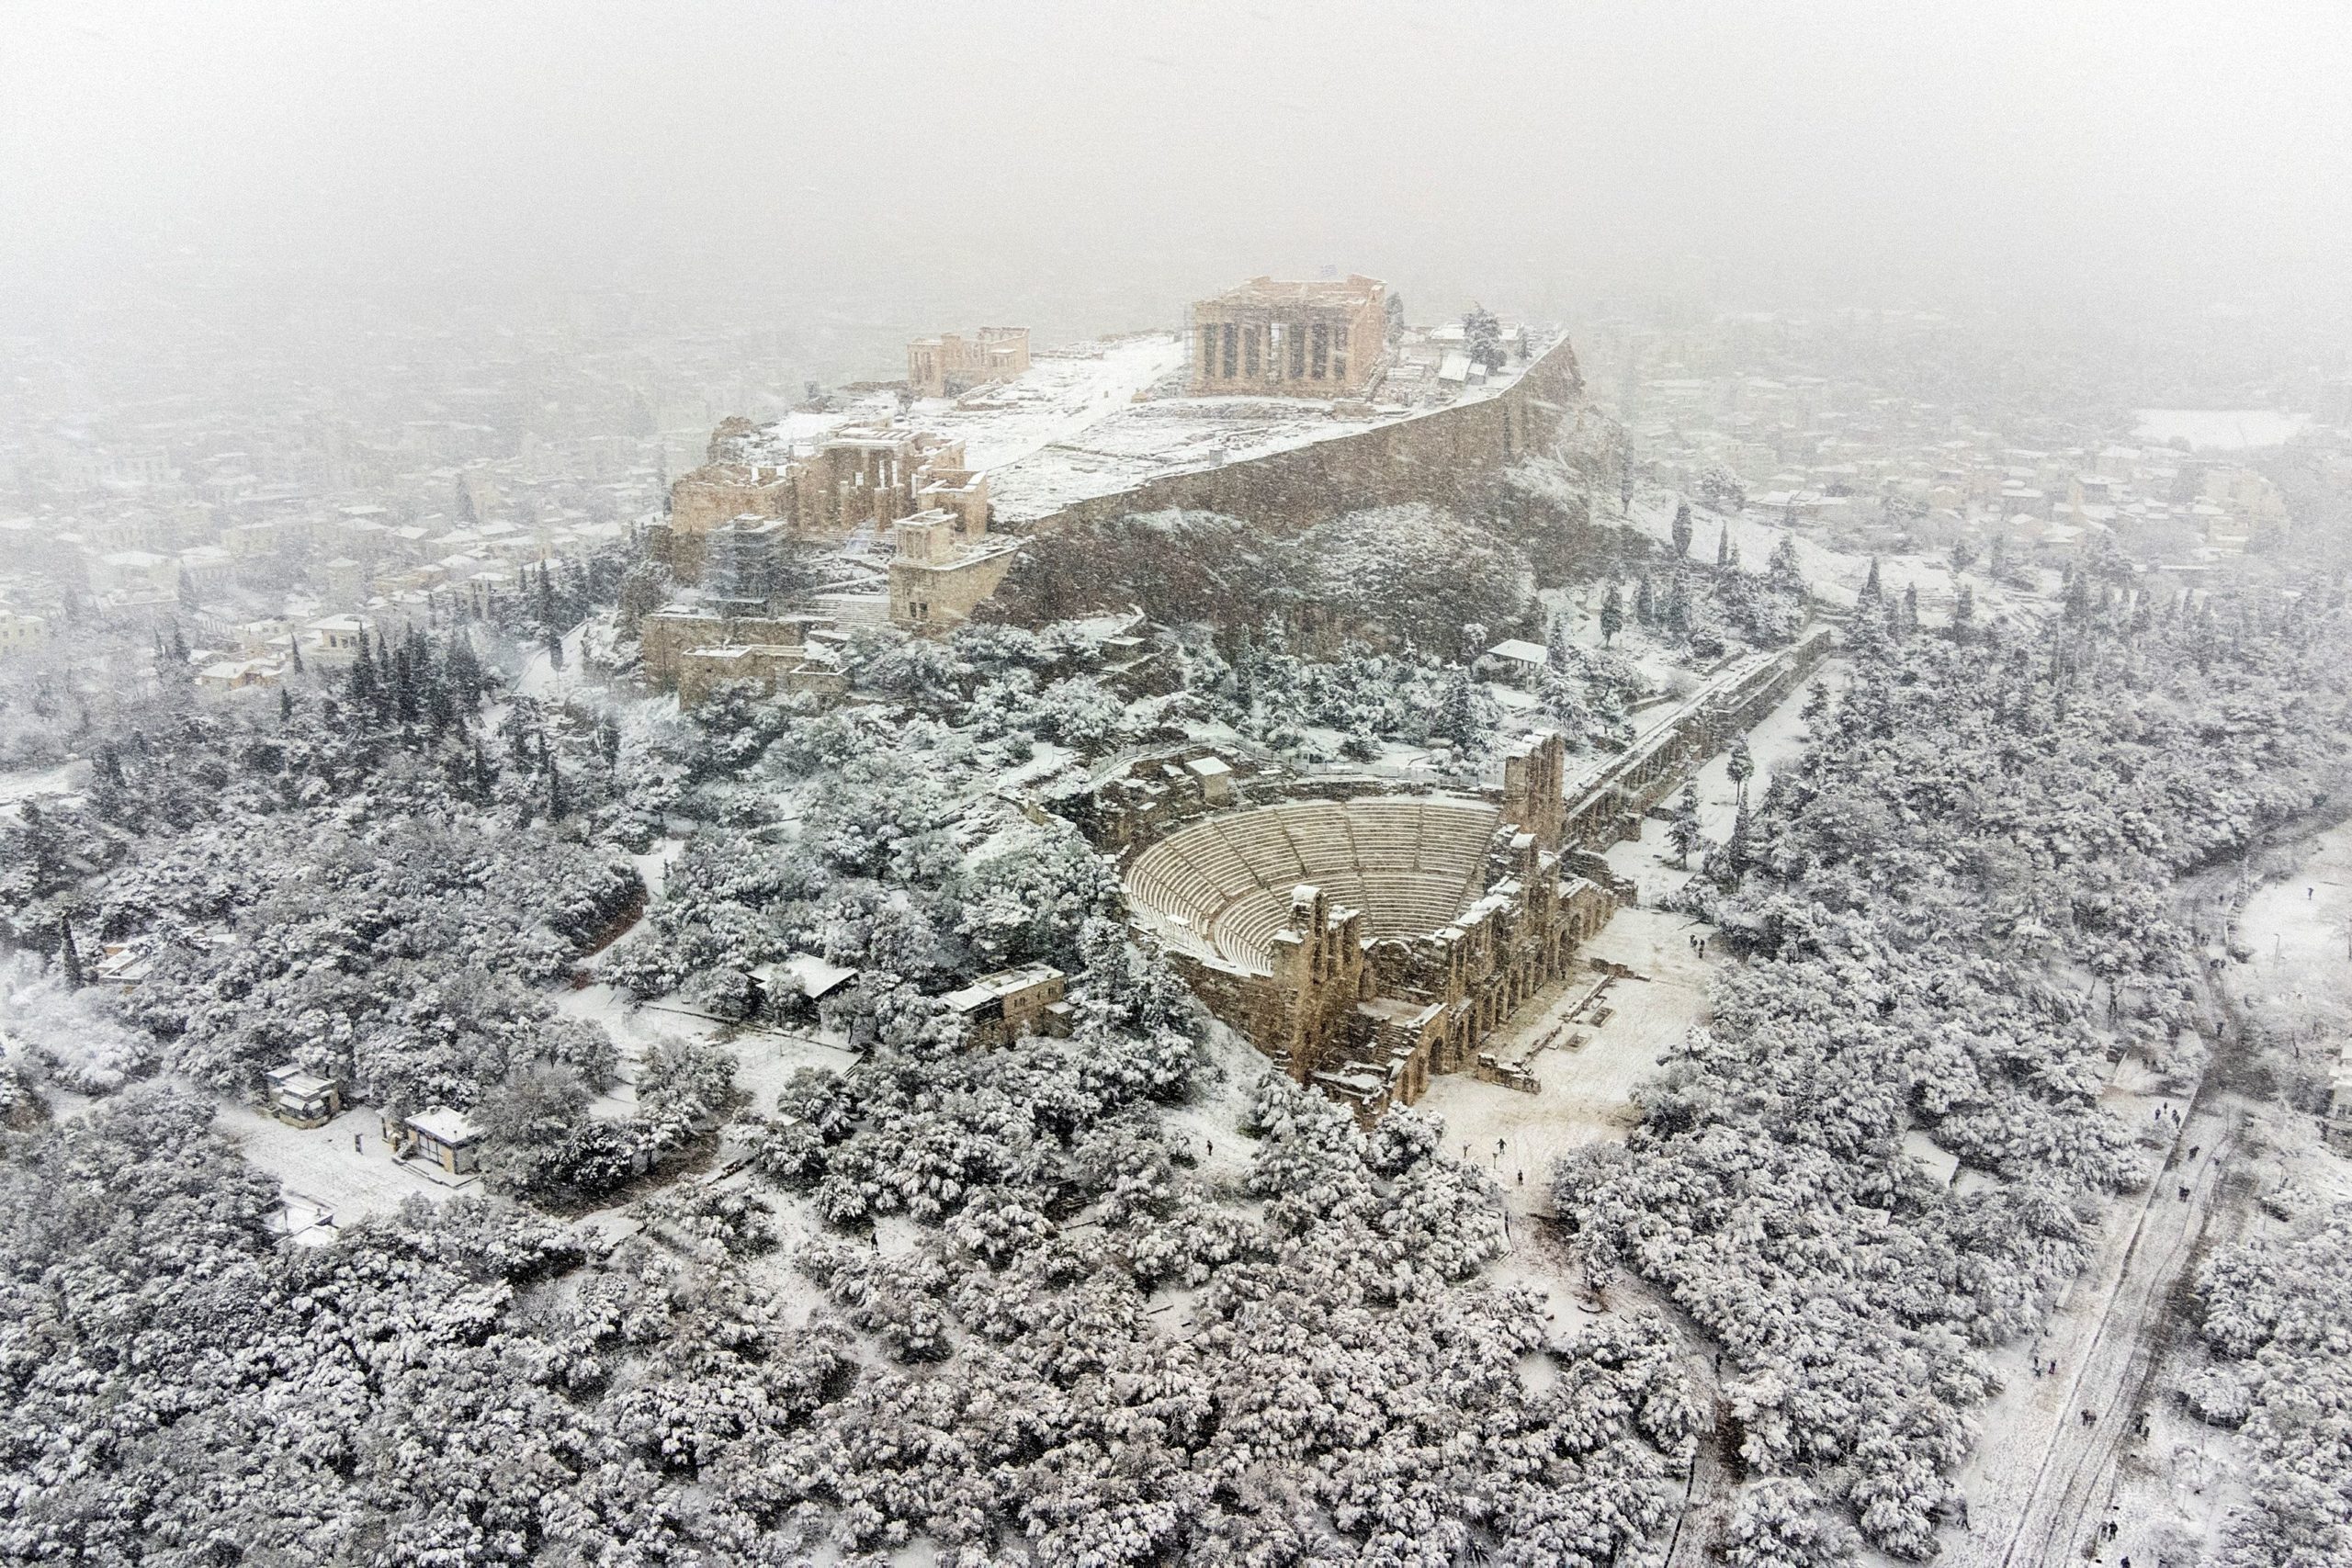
<point>444,1125</point>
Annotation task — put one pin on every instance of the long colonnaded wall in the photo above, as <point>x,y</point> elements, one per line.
<point>1611,809</point>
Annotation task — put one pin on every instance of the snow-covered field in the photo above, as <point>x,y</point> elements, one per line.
<point>351,1179</point>
<point>1587,1091</point>
<point>2219,430</point>
<point>2116,1349</point>
<point>30,783</point>
<point>1836,577</point>
<point>1064,393</point>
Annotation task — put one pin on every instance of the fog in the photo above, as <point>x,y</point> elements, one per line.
<point>1089,167</point>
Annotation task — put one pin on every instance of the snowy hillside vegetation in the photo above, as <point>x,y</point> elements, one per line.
<point>1119,1298</point>
<point>1955,911</point>
<point>2278,1324</point>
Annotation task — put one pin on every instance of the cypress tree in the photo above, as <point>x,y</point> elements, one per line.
<point>1681,529</point>
<point>68,955</point>
<point>362,680</point>
<point>1737,848</point>
<point>1458,717</point>
<point>463,672</point>
<point>1683,831</point>
<point>404,685</point>
<point>556,805</point>
<point>1612,615</point>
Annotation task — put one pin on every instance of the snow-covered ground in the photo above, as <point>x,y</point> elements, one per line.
<point>1063,393</point>
<point>344,1166</point>
<point>1209,1129</point>
<point>2299,931</point>
<point>1778,740</point>
<point>544,682</point>
<point>2118,1349</point>
<point>1587,1091</point>
<point>31,783</point>
<point>765,1061</point>
<point>1126,443</point>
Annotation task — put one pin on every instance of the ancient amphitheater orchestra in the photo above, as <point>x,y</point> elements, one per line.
<point>1366,943</point>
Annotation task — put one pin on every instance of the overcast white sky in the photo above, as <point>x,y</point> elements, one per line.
<point>1101,163</point>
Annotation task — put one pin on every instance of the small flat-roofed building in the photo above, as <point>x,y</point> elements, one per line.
<point>1215,777</point>
<point>207,568</point>
<point>301,1098</point>
<point>2339,1109</point>
<point>1000,1008</point>
<point>1519,660</point>
<point>236,675</point>
<point>446,1137</point>
<point>137,572</point>
<point>123,963</point>
<point>803,978</point>
<point>1327,338</point>
<point>335,639</point>
<point>21,633</point>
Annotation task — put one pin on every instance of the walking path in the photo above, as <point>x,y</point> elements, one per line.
<point>2066,1458</point>
<point>2044,1476</point>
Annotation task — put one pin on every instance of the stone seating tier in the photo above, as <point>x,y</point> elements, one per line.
<point>1221,887</point>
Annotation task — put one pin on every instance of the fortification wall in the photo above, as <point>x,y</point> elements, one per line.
<point>1446,457</point>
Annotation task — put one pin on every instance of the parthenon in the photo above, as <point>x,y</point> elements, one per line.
<point>1324,339</point>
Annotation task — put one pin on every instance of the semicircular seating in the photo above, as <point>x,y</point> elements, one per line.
<point>1221,887</point>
